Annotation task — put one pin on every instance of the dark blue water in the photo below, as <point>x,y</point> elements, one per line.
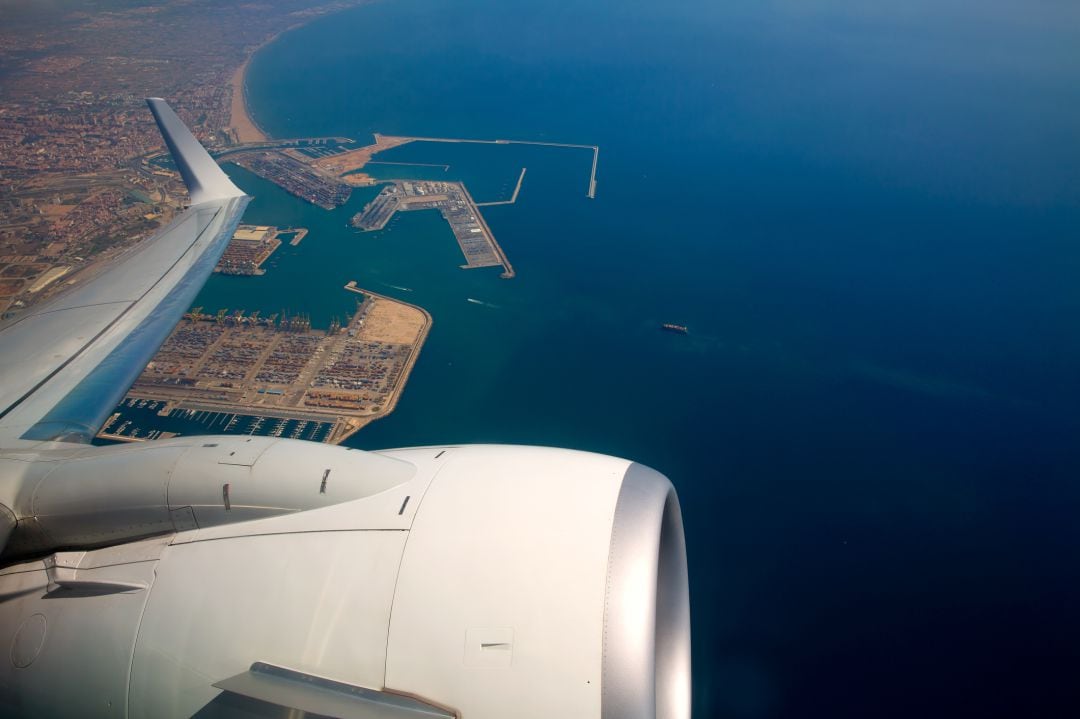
<point>866,215</point>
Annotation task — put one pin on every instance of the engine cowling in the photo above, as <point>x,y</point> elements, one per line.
<point>544,583</point>
<point>486,581</point>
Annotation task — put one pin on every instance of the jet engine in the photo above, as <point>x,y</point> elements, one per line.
<point>473,581</point>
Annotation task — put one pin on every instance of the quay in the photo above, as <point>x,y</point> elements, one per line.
<point>231,364</point>
<point>452,199</point>
<point>297,177</point>
<point>249,248</point>
<point>301,233</point>
<point>325,173</point>
<point>304,143</point>
<point>418,342</point>
<point>500,256</point>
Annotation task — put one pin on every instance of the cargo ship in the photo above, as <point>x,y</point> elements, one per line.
<point>681,329</point>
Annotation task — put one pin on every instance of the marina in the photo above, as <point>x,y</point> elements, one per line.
<point>138,420</point>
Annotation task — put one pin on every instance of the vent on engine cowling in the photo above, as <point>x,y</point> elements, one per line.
<point>646,664</point>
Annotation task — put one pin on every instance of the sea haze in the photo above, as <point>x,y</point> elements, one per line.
<point>867,217</point>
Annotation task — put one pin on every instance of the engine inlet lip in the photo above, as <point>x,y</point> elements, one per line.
<point>646,644</point>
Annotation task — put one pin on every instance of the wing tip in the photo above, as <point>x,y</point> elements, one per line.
<point>205,180</point>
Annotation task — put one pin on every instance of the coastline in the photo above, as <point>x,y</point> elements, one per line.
<point>241,123</point>
<point>243,127</point>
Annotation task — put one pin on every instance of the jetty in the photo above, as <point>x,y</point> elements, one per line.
<point>513,198</point>
<point>301,233</point>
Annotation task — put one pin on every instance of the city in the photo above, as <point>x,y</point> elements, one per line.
<point>77,180</point>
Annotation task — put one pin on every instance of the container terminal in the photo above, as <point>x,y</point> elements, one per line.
<point>281,370</point>
<point>251,246</point>
<point>324,171</point>
<point>295,176</point>
<point>453,201</point>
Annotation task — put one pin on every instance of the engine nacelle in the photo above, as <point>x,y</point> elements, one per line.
<point>91,497</point>
<point>487,581</point>
<point>544,583</point>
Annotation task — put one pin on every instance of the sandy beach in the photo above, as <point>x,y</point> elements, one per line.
<point>239,120</point>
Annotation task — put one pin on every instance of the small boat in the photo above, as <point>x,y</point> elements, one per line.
<point>681,329</point>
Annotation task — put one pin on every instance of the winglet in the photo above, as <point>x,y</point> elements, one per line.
<point>204,179</point>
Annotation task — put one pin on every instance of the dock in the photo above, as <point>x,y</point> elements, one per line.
<point>324,174</point>
<point>489,237</point>
<point>249,248</point>
<point>331,382</point>
<point>452,199</point>
<point>298,177</point>
<point>301,233</point>
<point>421,334</point>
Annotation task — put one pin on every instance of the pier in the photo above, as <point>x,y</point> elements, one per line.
<point>500,256</point>
<point>452,199</point>
<point>249,248</point>
<point>513,198</point>
<point>301,233</point>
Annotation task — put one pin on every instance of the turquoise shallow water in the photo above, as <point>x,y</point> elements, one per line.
<point>866,216</point>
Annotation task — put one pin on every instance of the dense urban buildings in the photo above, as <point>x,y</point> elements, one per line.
<point>78,180</point>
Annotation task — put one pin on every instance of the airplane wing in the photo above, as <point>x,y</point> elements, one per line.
<point>66,364</point>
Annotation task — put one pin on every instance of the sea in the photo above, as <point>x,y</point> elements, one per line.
<point>865,214</point>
